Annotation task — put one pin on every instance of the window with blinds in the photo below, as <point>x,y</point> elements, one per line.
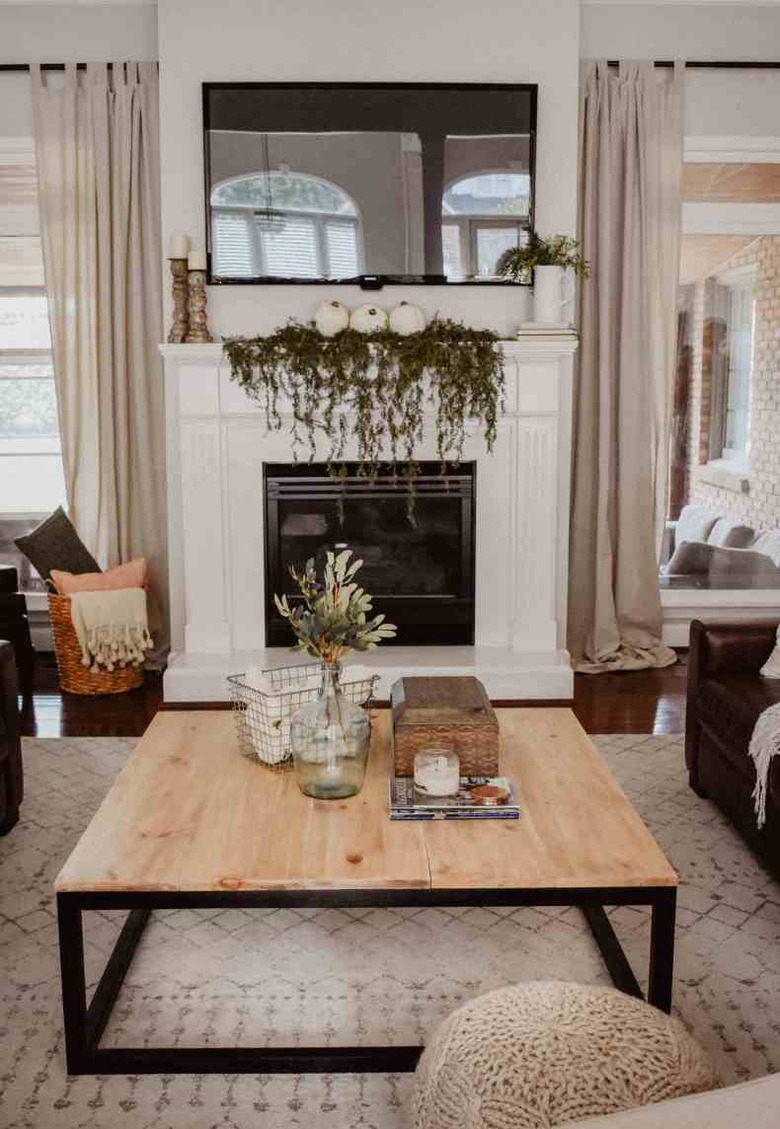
<point>285,225</point>
<point>483,215</point>
<point>31,477</point>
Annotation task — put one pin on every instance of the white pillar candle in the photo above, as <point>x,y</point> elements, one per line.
<point>178,247</point>
<point>437,772</point>
<point>196,260</point>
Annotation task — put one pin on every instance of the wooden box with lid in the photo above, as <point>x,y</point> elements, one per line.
<point>452,713</point>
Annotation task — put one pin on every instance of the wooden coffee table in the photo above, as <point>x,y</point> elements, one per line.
<point>191,823</point>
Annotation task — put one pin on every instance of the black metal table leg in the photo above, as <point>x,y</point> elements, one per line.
<point>85,1025</point>
<point>74,992</point>
<point>659,990</point>
<point>611,950</point>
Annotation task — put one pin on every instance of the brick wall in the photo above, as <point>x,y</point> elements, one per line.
<point>761,506</point>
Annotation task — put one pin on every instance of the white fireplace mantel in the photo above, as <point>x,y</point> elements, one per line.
<point>217,443</point>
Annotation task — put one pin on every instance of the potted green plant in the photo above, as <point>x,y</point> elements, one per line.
<point>329,737</point>
<point>547,259</point>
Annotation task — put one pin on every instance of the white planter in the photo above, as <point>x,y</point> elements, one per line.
<point>548,295</point>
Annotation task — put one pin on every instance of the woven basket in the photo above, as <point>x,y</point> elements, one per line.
<point>75,678</point>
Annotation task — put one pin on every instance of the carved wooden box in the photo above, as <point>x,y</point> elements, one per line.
<point>448,712</point>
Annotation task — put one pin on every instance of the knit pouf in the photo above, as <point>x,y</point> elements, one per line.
<point>543,1053</point>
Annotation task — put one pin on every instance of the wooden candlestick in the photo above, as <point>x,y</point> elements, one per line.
<point>198,332</point>
<point>181,318</point>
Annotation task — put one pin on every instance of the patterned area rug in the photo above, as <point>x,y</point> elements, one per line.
<point>372,975</point>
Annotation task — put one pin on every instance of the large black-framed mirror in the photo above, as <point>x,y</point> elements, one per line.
<point>374,183</point>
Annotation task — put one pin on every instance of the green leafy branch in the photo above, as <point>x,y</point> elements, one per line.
<point>332,618</point>
<point>385,382</point>
<point>556,251</point>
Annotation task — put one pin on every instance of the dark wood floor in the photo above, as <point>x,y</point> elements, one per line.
<point>638,702</point>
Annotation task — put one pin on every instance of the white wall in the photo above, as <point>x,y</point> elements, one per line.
<point>679,31</point>
<point>366,40</point>
<point>66,33</point>
<point>80,33</point>
<point>718,103</point>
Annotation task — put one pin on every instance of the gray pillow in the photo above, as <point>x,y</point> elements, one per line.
<point>768,543</point>
<point>694,524</point>
<point>690,556</point>
<point>730,534</point>
<point>56,544</point>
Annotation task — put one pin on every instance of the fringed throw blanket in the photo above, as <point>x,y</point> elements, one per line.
<point>111,627</point>
<point>764,745</point>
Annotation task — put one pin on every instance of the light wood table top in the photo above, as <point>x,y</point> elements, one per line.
<point>189,813</point>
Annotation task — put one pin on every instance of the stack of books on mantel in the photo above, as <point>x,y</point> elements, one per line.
<point>480,797</point>
<point>541,330</point>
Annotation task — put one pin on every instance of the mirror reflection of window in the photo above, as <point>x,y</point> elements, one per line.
<point>285,225</point>
<point>483,215</point>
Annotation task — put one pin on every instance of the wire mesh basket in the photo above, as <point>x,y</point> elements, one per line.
<point>263,716</point>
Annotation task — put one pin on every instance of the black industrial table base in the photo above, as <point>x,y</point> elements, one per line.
<point>85,1023</point>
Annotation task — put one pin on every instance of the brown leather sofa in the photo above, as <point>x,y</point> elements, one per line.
<point>11,777</point>
<point>725,696</point>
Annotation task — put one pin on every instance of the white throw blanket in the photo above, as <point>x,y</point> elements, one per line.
<point>111,627</point>
<point>764,745</point>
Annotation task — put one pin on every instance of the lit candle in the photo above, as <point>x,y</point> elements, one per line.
<point>178,247</point>
<point>196,260</point>
<point>437,772</point>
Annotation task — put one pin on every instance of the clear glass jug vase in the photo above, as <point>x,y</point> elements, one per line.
<point>330,738</point>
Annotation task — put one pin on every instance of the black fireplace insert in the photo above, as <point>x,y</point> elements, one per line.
<point>421,574</point>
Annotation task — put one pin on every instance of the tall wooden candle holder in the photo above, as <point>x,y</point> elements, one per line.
<point>198,332</point>
<point>181,318</point>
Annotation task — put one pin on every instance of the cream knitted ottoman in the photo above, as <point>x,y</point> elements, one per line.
<point>543,1053</point>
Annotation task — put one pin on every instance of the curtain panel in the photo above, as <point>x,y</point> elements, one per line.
<point>97,150</point>
<point>629,218</point>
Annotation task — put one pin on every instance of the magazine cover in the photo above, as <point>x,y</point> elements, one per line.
<point>480,797</point>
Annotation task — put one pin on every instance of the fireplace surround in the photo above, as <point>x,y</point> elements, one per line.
<point>418,562</point>
<point>219,451</point>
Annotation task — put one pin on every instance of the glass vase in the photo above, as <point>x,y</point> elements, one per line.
<point>330,738</point>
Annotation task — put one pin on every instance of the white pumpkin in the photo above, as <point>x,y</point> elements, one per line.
<point>331,318</point>
<point>368,319</point>
<point>406,319</point>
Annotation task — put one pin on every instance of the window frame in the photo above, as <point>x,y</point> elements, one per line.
<point>320,220</point>
<point>32,445</point>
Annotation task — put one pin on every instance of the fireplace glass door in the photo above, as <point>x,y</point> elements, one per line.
<point>421,572</point>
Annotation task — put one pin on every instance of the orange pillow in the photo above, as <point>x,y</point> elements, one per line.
<point>132,574</point>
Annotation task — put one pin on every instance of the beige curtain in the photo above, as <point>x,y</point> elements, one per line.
<point>630,165</point>
<point>97,148</point>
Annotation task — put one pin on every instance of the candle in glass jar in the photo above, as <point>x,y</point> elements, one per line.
<point>437,772</point>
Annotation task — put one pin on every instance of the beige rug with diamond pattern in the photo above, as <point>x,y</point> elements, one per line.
<point>371,975</point>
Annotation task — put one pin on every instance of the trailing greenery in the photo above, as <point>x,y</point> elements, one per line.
<point>333,618</point>
<point>373,389</point>
<point>557,251</point>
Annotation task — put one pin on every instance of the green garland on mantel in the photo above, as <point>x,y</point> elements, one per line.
<point>384,380</point>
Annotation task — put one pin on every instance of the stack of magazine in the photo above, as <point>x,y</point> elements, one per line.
<point>480,797</point>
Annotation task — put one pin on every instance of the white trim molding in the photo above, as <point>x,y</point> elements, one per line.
<point>704,218</point>
<point>731,150</point>
<point>727,476</point>
<point>713,605</point>
<point>218,441</point>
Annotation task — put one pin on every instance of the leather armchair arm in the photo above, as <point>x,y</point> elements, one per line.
<point>735,648</point>
<point>720,648</point>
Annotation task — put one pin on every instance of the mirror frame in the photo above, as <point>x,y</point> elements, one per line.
<point>366,281</point>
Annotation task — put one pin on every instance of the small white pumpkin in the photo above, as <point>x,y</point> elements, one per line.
<point>406,319</point>
<point>368,319</point>
<point>331,318</point>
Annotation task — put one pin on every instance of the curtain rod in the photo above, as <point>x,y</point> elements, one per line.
<point>710,64</point>
<point>700,64</point>
<point>694,64</point>
<point>21,67</point>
